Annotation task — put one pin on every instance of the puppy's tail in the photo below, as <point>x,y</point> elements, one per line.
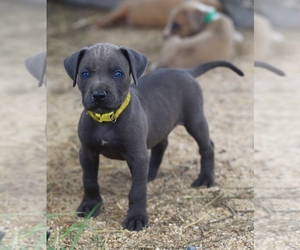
<point>203,68</point>
<point>269,67</point>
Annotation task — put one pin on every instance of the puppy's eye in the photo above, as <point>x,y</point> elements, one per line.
<point>118,74</point>
<point>85,74</point>
<point>175,26</point>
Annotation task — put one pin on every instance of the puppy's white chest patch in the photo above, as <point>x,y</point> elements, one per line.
<point>103,142</point>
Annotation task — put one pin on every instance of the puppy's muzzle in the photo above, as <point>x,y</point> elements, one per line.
<point>99,96</point>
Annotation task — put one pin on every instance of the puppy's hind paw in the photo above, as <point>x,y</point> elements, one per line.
<point>204,180</point>
<point>89,208</point>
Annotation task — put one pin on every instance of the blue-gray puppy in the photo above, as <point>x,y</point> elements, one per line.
<point>123,121</point>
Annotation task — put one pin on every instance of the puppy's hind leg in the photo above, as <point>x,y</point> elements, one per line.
<point>198,129</point>
<point>157,153</point>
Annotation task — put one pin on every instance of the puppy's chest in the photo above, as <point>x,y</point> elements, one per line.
<point>107,144</point>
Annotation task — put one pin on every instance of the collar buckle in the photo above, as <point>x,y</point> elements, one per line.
<point>111,116</point>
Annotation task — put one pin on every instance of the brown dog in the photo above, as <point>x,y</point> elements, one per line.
<point>152,13</point>
<point>196,34</point>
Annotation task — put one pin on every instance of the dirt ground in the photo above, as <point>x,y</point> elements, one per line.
<point>277,149</point>
<point>240,114</point>
<point>217,218</point>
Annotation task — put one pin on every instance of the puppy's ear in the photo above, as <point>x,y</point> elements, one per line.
<point>137,62</point>
<point>195,18</point>
<point>72,62</point>
<point>36,66</point>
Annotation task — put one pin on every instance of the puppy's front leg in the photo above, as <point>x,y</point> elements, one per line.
<point>89,161</point>
<point>137,216</point>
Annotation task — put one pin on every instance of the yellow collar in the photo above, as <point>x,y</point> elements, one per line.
<point>111,116</point>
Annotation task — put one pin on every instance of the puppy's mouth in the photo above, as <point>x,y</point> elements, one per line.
<point>95,105</point>
<point>100,107</point>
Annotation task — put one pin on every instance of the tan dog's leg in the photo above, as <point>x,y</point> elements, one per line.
<point>121,12</point>
<point>214,3</point>
<point>265,37</point>
<point>262,39</point>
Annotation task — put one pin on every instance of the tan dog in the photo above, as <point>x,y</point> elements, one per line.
<point>145,12</point>
<point>196,34</point>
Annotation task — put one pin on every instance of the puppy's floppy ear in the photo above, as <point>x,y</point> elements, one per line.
<point>196,20</point>
<point>36,66</point>
<point>72,62</point>
<point>137,62</point>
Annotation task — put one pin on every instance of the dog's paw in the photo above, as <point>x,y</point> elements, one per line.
<point>205,179</point>
<point>136,223</point>
<point>87,205</point>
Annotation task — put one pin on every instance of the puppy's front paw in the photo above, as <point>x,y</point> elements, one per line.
<point>204,179</point>
<point>87,205</point>
<point>136,223</point>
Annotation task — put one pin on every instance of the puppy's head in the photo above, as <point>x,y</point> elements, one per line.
<point>187,19</point>
<point>103,74</point>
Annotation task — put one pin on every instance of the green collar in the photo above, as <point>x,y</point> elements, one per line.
<point>111,116</point>
<point>210,16</point>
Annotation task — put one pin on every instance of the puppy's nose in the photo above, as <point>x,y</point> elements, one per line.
<point>99,95</point>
